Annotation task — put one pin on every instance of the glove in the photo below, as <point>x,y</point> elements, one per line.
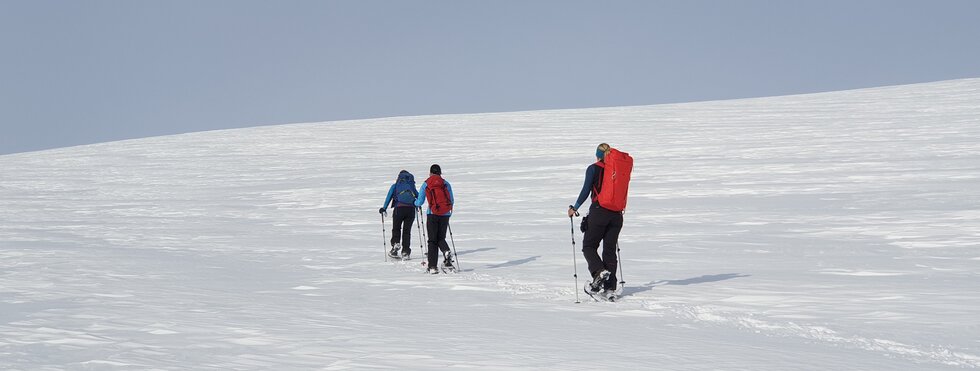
<point>382,211</point>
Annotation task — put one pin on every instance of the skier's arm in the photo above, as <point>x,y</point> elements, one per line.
<point>452,200</point>
<point>391,192</point>
<point>587,187</point>
<point>421,198</point>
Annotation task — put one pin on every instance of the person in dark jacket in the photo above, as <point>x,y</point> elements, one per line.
<point>601,225</point>
<point>401,197</point>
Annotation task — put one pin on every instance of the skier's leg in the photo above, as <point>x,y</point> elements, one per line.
<point>609,245</point>
<point>590,243</point>
<point>443,227</point>
<point>432,228</point>
<point>396,227</point>
<point>407,230</point>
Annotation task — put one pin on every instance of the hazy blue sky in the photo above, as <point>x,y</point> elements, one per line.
<point>78,72</point>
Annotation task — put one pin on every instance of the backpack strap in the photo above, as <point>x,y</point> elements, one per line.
<point>597,181</point>
<point>445,193</point>
<point>403,191</point>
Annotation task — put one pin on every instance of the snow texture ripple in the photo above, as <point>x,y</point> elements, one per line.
<point>812,232</point>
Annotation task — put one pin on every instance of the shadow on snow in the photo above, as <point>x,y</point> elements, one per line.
<point>631,290</point>
<point>514,262</point>
<point>475,250</point>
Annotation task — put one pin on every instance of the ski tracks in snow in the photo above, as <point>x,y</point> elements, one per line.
<point>695,313</point>
<point>714,315</point>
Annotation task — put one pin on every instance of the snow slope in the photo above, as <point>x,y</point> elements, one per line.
<point>826,231</point>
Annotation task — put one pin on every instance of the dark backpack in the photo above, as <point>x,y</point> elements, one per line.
<point>437,194</point>
<point>405,188</point>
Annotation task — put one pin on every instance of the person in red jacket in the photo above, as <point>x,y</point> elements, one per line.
<point>439,193</point>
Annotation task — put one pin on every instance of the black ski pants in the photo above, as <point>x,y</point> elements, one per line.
<point>603,226</point>
<point>436,227</point>
<point>401,230</point>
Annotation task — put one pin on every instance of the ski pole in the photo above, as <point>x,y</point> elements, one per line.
<point>384,237</point>
<point>571,222</point>
<point>425,239</point>
<point>619,257</point>
<point>458,268</point>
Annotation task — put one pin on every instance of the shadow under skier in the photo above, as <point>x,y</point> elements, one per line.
<point>708,278</point>
<point>514,262</point>
<point>464,252</point>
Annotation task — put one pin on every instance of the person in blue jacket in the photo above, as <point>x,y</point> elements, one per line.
<point>439,193</point>
<point>401,196</point>
<point>601,225</point>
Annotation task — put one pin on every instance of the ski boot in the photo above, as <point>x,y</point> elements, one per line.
<point>395,251</point>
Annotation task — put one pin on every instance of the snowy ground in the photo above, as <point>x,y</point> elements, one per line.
<point>822,232</point>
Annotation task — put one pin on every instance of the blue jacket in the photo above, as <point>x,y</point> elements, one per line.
<point>591,177</point>
<point>391,201</point>
<point>421,199</point>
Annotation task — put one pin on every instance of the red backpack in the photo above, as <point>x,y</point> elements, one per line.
<point>615,180</point>
<point>437,195</point>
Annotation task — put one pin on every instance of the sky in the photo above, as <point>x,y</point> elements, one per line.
<point>74,72</point>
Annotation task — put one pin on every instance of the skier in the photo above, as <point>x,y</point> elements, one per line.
<point>439,194</point>
<point>605,218</point>
<point>401,196</point>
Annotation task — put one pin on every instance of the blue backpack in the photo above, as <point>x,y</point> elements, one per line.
<point>405,188</point>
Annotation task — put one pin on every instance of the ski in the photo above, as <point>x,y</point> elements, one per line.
<point>444,270</point>
<point>602,296</point>
<point>594,295</point>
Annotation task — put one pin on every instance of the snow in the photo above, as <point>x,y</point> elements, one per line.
<point>825,231</point>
